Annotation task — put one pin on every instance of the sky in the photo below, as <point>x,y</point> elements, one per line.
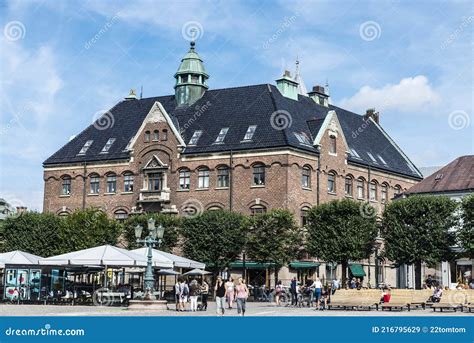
<point>63,63</point>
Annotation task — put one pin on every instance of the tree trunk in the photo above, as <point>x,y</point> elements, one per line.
<point>344,275</point>
<point>418,279</point>
<point>276,276</point>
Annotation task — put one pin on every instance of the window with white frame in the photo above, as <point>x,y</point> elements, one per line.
<point>348,186</point>
<point>360,188</point>
<point>107,145</point>
<point>85,147</point>
<point>223,177</point>
<point>221,136</point>
<point>128,182</point>
<point>332,182</point>
<point>184,179</point>
<point>194,139</point>
<point>203,178</point>
<point>66,185</point>
<point>111,183</point>
<point>306,177</point>
<point>258,172</point>
<point>373,191</point>
<point>94,184</point>
<point>250,132</point>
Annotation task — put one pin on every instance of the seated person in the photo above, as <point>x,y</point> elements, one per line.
<point>437,294</point>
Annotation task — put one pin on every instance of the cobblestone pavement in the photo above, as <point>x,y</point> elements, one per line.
<point>253,309</point>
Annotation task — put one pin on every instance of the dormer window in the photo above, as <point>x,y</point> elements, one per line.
<point>302,138</point>
<point>194,139</point>
<point>86,147</point>
<point>147,136</point>
<point>355,153</point>
<point>107,146</point>
<point>222,134</point>
<point>250,132</point>
<point>372,157</point>
<point>381,159</point>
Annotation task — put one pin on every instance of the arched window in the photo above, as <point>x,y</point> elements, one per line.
<point>164,136</point>
<point>147,136</point>
<point>257,209</point>
<point>304,215</point>
<point>258,174</point>
<point>66,185</point>
<point>94,184</point>
<point>306,177</point>
<point>128,182</point>
<point>332,182</point>
<point>184,179</point>
<point>203,177</point>
<point>332,144</point>
<point>398,189</point>
<point>223,177</point>
<point>120,215</point>
<point>373,191</point>
<point>360,188</point>
<point>348,186</point>
<point>384,192</point>
<point>111,183</point>
<point>156,135</point>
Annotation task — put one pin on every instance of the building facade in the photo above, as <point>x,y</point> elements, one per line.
<point>456,181</point>
<point>246,149</point>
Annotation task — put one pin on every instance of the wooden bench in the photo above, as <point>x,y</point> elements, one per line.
<point>399,300</point>
<point>451,300</point>
<point>470,300</point>
<point>355,299</point>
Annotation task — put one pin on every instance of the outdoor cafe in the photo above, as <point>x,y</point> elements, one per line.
<point>95,275</point>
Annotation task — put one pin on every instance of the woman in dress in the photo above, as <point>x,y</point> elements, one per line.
<point>230,292</point>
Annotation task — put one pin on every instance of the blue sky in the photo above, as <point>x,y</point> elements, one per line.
<point>63,62</point>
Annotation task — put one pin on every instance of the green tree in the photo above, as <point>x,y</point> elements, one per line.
<point>36,233</point>
<point>466,230</point>
<point>341,231</point>
<point>273,237</point>
<point>417,229</point>
<point>214,237</point>
<point>88,228</point>
<point>170,223</point>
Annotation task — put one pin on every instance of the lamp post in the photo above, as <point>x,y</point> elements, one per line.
<point>155,236</point>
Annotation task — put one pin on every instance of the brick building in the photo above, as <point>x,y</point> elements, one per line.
<point>247,149</point>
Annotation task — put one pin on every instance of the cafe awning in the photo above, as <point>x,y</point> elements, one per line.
<point>356,270</point>
<point>175,260</point>
<point>18,257</point>
<point>251,265</point>
<point>304,265</point>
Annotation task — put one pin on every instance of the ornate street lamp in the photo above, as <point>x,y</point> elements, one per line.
<point>155,236</point>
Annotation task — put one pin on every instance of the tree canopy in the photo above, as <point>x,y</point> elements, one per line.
<point>466,230</point>
<point>46,234</point>
<point>274,237</point>
<point>341,231</point>
<point>214,237</point>
<point>418,229</point>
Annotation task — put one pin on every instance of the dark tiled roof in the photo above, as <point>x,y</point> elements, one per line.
<point>457,176</point>
<point>238,108</point>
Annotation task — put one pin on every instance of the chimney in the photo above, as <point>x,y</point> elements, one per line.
<point>370,113</point>
<point>21,209</point>
<point>319,96</point>
<point>287,86</point>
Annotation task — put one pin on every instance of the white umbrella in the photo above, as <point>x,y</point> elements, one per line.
<point>19,257</point>
<point>197,272</point>
<point>158,259</point>
<point>2,264</point>
<point>167,272</point>
<point>177,261</point>
<point>104,255</point>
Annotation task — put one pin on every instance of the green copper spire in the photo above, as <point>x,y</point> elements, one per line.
<point>190,78</point>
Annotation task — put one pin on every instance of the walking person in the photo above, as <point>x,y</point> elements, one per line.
<point>278,291</point>
<point>204,294</point>
<point>193,294</point>
<point>183,294</point>
<point>230,292</point>
<point>176,294</point>
<point>242,293</point>
<point>221,293</point>
<point>294,298</point>
<point>317,285</point>
<point>335,286</point>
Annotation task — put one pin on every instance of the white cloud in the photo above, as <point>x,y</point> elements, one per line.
<point>410,94</point>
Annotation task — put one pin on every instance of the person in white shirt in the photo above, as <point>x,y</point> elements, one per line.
<point>318,286</point>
